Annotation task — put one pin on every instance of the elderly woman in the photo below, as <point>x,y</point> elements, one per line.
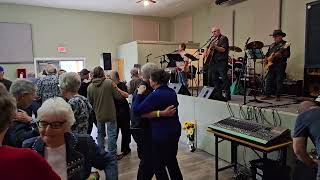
<point>70,155</point>
<point>140,126</point>
<point>48,86</point>
<point>69,85</point>
<point>123,115</point>
<point>22,127</point>
<point>19,160</point>
<point>165,131</point>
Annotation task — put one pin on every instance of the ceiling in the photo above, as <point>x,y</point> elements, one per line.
<point>163,8</point>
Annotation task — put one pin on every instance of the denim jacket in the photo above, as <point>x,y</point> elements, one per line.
<point>82,155</point>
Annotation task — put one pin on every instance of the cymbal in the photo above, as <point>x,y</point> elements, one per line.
<point>255,45</point>
<point>235,49</point>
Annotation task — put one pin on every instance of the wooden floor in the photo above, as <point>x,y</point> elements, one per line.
<point>198,165</point>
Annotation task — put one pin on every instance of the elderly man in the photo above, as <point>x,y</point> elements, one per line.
<point>22,127</point>
<point>279,51</point>
<point>307,125</point>
<point>48,86</point>
<point>7,83</point>
<point>216,56</point>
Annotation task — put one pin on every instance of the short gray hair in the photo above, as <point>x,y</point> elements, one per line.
<point>114,75</point>
<point>51,69</point>
<point>57,107</point>
<point>21,87</point>
<point>148,69</point>
<point>70,81</point>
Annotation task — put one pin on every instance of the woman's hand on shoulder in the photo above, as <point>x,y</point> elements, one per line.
<point>142,89</point>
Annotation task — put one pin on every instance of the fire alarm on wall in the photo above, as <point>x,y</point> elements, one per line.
<point>61,49</point>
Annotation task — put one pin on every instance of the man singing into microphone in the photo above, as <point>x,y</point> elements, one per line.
<point>216,56</point>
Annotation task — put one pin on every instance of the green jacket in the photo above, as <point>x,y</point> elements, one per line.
<point>101,94</point>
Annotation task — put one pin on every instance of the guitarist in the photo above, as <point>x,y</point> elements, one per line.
<point>276,74</point>
<point>216,59</point>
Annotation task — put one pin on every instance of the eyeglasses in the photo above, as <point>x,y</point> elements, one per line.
<point>53,125</point>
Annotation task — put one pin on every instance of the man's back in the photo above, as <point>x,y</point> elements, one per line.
<point>100,94</point>
<point>48,87</point>
<point>308,125</point>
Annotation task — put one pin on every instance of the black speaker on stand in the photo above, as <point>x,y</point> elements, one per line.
<point>179,88</point>
<point>105,61</point>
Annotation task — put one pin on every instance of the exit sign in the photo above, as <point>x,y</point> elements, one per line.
<point>62,49</point>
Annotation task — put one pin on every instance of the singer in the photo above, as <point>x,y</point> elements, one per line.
<point>216,59</point>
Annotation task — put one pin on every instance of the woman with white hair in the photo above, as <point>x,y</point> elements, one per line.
<point>19,163</point>
<point>70,155</point>
<point>69,85</point>
<point>22,127</point>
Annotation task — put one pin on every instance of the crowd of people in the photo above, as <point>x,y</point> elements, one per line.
<point>49,120</point>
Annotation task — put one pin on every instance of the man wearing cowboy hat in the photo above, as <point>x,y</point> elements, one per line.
<point>280,51</point>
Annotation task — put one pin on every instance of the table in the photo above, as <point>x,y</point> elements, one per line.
<point>235,142</point>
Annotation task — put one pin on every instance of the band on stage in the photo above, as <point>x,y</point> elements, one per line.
<point>225,73</point>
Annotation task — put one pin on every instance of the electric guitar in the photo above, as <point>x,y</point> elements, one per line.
<point>269,59</point>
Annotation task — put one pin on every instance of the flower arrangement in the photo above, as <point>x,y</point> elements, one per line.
<point>190,127</point>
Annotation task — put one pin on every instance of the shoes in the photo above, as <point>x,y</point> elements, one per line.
<point>123,154</point>
<point>120,156</point>
<point>266,98</point>
<point>277,98</point>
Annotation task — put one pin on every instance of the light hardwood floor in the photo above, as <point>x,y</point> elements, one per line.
<point>198,165</point>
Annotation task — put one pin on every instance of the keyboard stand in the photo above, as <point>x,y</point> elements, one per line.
<point>235,142</point>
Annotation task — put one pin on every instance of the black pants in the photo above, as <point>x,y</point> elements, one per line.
<point>164,155</point>
<point>123,124</point>
<point>274,79</point>
<point>92,120</point>
<point>143,140</point>
<point>216,70</point>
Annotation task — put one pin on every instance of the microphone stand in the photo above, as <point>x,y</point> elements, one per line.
<point>148,57</point>
<point>244,71</point>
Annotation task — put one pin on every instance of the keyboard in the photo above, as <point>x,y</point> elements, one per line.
<point>258,133</point>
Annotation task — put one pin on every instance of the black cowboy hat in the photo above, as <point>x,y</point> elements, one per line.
<point>278,32</point>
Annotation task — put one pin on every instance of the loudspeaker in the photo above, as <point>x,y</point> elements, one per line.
<point>211,93</point>
<point>179,89</point>
<point>105,61</point>
<point>206,92</point>
<point>311,82</point>
<point>312,56</point>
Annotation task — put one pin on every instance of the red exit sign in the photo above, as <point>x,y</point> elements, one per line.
<point>62,49</point>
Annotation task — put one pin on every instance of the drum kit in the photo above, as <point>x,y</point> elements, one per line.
<point>241,68</point>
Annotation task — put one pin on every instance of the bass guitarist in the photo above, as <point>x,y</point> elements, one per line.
<point>216,59</point>
<point>278,53</point>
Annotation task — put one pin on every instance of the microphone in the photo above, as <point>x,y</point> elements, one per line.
<point>248,40</point>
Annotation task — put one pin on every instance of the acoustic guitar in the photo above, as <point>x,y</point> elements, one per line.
<point>210,52</point>
<point>269,59</point>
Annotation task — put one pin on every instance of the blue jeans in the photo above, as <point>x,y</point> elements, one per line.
<point>274,80</point>
<point>182,78</point>
<point>112,145</point>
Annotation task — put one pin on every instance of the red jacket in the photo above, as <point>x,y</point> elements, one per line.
<point>21,163</point>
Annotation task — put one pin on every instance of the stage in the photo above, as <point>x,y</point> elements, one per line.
<point>287,104</point>
<point>205,112</point>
